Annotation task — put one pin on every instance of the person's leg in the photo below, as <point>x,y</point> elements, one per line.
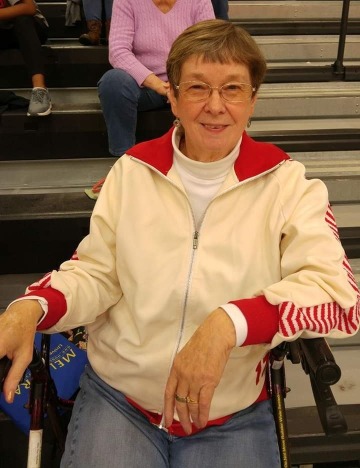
<point>8,39</point>
<point>30,34</point>
<point>108,8</point>
<point>121,98</point>
<point>247,440</point>
<point>106,431</point>
<point>108,12</point>
<point>221,9</point>
<point>93,16</point>
<point>92,9</point>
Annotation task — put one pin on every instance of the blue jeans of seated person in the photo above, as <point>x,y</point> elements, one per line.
<point>121,98</point>
<point>106,431</point>
<point>221,9</point>
<point>93,9</point>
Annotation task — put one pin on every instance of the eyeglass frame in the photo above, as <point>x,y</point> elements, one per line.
<point>219,88</point>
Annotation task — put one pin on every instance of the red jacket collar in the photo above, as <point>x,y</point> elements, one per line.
<point>254,157</point>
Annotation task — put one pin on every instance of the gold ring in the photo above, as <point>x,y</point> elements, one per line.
<point>181,399</point>
<point>186,399</point>
<point>190,401</point>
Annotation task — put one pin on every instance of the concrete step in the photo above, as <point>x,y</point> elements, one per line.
<point>311,448</point>
<point>310,100</point>
<point>274,27</point>
<point>275,100</point>
<point>54,12</point>
<point>243,14</point>
<point>307,48</point>
<point>51,176</point>
<point>73,135</point>
<point>76,205</point>
<point>67,63</point>
<point>291,10</point>
<point>339,170</point>
<point>290,58</point>
<point>297,117</point>
<point>46,200</point>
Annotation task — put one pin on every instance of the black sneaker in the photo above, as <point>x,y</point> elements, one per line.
<point>40,102</point>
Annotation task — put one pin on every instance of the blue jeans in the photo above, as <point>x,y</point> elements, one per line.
<point>121,98</point>
<point>93,9</point>
<point>106,431</point>
<point>221,9</point>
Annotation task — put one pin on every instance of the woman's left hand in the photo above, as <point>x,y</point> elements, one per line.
<point>156,84</point>
<point>197,370</point>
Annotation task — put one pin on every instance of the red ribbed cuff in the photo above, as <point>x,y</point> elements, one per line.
<point>56,306</point>
<point>262,319</point>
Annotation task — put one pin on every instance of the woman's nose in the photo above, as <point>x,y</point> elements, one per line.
<point>215,103</point>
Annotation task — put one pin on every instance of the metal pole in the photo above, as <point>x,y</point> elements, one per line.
<point>338,65</point>
<point>277,388</point>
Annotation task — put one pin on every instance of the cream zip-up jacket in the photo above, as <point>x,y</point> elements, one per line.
<point>144,279</point>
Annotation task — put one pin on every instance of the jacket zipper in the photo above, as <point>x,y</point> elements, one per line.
<point>195,240</point>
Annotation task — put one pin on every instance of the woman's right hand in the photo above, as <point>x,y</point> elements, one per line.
<point>17,333</point>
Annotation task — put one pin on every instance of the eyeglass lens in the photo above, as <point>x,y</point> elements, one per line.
<point>198,91</point>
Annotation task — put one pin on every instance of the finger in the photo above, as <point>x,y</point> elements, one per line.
<point>182,410</point>
<point>13,378</point>
<point>193,408</point>
<point>169,400</point>
<point>206,396</point>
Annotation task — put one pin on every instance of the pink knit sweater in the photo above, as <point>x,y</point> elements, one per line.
<point>141,35</point>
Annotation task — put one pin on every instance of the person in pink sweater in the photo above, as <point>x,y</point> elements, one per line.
<point>142,32</point>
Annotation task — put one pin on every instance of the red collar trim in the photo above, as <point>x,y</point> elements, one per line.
<point>254,157</point>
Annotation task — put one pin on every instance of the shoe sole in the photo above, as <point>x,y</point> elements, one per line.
<point>87,42</point>
<point>40,114</point>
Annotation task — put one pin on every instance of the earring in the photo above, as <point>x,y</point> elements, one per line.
<point>177,123</point>
<point>249,123</point>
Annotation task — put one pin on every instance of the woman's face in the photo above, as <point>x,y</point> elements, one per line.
<point>214,126</point>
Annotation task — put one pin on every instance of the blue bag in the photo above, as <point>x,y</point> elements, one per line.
<point>68,358</point>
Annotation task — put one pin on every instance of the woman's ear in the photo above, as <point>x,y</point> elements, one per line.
<point>172,100</point>
<point>253,102</point>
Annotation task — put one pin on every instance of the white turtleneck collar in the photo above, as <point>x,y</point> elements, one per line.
<point>201,180</point>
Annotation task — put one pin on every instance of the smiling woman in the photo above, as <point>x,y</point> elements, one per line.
<point>212,126</point>
<point>213,91</point>
<point>206,249</point>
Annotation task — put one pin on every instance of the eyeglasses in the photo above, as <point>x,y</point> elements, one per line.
<point>197,91</point>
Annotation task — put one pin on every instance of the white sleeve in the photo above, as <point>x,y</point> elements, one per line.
<point>43,303</point>
<point>239,321</point>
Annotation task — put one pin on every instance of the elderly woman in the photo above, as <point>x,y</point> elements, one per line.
<point>205,250</point>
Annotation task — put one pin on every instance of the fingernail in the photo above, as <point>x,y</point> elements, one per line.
<point>10,396</point>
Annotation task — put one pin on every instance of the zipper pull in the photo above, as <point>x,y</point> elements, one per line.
<point>195,240</point>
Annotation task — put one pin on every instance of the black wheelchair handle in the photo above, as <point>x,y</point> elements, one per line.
<point>5,365</point>
<point>320,361</point>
